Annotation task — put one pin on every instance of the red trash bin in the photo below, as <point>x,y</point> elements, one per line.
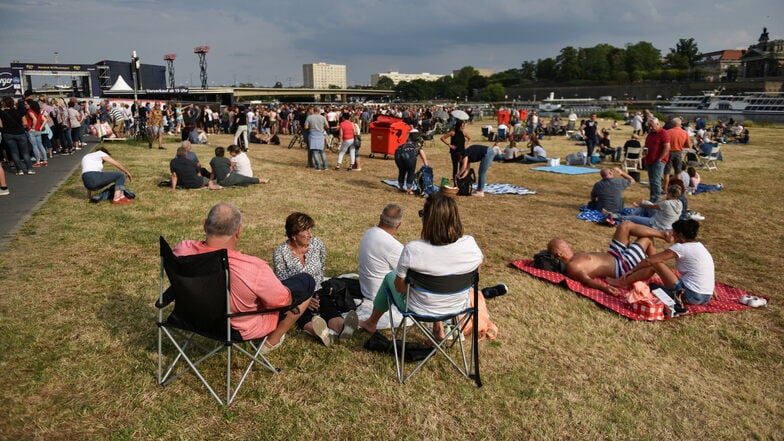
<point>386,134</point>
<point>503,117</point>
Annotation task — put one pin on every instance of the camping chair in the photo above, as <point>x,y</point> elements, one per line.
<point>500,135</point>
<point>199,326</point>
<point>633,159</point>
<point>440,286</point>
<point>710,161</point>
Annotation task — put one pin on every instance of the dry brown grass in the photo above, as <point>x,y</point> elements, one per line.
<point>78,338</point>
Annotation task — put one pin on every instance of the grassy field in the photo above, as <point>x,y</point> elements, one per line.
<point>78,339</point>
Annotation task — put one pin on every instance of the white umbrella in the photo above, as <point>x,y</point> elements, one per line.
<point>440,114</point>
<point>459,114</point>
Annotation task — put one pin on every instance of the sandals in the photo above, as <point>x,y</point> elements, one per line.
<point>266,349</point>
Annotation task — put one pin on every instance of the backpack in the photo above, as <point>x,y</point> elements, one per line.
<point>547,261</point>
<point>424,181</point>
<point>465,185</point>
<point>575,158</point>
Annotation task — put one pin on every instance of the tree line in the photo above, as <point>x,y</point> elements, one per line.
<point>602,63</point>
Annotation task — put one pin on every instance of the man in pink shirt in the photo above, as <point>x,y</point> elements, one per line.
<point>252,281</point>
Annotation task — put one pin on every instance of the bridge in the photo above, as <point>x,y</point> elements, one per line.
<point>240,92</point>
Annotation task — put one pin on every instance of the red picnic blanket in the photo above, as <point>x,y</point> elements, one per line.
<point>725,297</point>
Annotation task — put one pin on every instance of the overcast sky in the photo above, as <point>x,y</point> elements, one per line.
<point>267,41</point>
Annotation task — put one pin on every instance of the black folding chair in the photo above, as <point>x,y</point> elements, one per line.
<point>199,325</point>
<point>440,285</point>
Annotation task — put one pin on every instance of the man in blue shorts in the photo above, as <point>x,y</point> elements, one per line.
<point>620,258</point>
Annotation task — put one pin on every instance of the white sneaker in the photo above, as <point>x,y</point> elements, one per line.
<point>321,330</point>
<point>745,300</point>
<point>4,192</point>
<point>756,302</point>
<point>350,324</point>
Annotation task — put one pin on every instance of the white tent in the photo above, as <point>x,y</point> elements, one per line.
<point>120,85</point>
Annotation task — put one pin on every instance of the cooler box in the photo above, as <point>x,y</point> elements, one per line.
<point>386,134</point>
<point>503,117</point>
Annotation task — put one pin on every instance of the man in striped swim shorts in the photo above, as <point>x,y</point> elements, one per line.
<point>621,257</point>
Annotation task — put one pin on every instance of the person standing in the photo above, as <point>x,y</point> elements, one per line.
<point>457,142</point>
<point>13,130</point>
<point>316,125</point>
<point>590,130</point>
<point>346,134</point>
<point>241,121</point>
<point>658,144</point>
<point>155,126</point>
<point>34,121</point>
<point>679,141</point>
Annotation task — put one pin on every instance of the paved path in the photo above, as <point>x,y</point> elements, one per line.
<point>28,192</point>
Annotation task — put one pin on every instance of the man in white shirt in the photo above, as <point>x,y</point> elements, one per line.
<point>379,251</point>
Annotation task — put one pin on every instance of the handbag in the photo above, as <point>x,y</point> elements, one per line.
<point>465,185</point>
<point>337,291</point>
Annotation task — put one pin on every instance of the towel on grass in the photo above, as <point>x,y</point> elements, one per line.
<point>567,169</point>
<point>596,215</point>
<point>725,297</point>
<point>489,188</point>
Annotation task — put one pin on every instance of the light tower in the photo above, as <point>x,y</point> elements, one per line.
<point>170,66</point>
<point>201,51</point>
<point>136,64</point>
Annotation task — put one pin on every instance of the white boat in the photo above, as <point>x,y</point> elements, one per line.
<point>755,106</point>
<point>581,106</point>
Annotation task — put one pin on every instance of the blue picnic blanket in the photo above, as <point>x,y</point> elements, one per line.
<point>567,169</point>
<point>596,215</point>
<point>489,188</point>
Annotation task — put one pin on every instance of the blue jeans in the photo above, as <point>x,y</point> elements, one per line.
<point>483,166</point>
<point>97,180</point>
<point>406,168</point>
<point>17,146</point>
<point>655,175</point>
<point>689,296</point>
<point>639,215</point>
<point>38,145</point>
<point>590,145</point>
<point>319,159</point>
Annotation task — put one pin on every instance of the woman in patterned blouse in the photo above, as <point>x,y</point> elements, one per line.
<point>304,253</point>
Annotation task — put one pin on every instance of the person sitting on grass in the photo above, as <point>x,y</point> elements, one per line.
<point>240,163</point>
<point>252,283</point>
<point>660,215</point>
<point>607,194</point>
<point>621,257</point>
<point>537,153</point>
<point>223,174</point>
<point>186,174</point>
<point>94,178</point>
<point>693,261</point>
<point>304,253</point>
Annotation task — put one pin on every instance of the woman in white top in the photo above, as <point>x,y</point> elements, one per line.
<point>94,178</point>
<point>442,250</point>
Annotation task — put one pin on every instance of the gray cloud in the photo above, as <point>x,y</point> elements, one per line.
<point>264,42</point>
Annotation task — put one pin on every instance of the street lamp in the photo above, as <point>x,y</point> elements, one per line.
<point>135,65</point>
